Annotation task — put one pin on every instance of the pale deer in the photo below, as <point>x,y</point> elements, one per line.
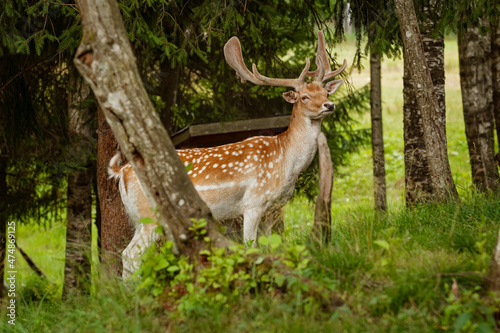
<point>246,178</point>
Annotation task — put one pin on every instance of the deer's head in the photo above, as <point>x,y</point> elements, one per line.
<point>309,99</point>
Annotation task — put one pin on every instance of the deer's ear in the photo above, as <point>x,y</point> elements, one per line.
<point>291,96</point>
<point>332,86</point>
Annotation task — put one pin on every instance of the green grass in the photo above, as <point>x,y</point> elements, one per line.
<point>393,271</point>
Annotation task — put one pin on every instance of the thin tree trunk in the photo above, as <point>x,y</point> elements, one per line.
<point>379,185</point>
<point>116,230</point>
<point>418,185</point>
<point>79,214</point>
<point>434,133</point>
<point>106,61</point>
<point>495,71</point>
<point>322,228</point>
<point>474,52</point>
<point>169,87</point>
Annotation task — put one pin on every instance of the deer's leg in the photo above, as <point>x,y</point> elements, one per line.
<point>144,236</point>
<point>251,219</point>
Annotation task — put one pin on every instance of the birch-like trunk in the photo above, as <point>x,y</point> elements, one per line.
<point>107,62</point>
<point>379,186</point>
<point>474,52</point>
<point>434,133</point>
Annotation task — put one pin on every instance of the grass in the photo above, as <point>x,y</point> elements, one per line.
<point>393,271</point>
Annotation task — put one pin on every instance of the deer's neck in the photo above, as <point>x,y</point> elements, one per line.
<point>299,144</point>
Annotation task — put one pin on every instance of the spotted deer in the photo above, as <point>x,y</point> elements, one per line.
<point>245,178</point>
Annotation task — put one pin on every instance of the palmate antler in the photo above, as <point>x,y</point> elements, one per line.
<point>324,71</point>
<point>234,57</point>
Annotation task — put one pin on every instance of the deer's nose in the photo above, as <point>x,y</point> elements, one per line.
<point>329,106</point>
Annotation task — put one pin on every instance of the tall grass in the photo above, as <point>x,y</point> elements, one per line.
<point>393,272</point>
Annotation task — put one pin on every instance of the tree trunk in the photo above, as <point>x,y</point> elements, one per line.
<point>168,89</point>
<point>79,214</point>
<point>116,230</point>
<point>322,228</point>
<point>494,276</point>
<point>434,133</point>
<point>495,71</point>
<point>379,186</point>
<point>474,52</point>
<point>418,185</point>
<point>106,61</point>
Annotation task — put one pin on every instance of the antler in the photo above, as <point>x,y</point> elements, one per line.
<point>234,57</point>
<point>324,71</point>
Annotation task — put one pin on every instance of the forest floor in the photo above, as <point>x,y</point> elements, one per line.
<point>382,272</point>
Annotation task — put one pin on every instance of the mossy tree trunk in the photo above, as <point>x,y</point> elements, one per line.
<point>474,53</point>
<point>434,133</point>
<point>107,62</point>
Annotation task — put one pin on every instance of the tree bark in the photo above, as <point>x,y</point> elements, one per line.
<point>168,89</point>
<point>434,133</point>
<point>474,52</point>
<point>379,185</point>
<point>79,196</point>
<point>322,227</point>
<point>418,185</point>
<point>116,230</point>
<point>495,71</point>
<point>494,276</point>
<point>106,61</point>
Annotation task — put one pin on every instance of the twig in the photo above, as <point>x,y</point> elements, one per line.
<point>31,263</point>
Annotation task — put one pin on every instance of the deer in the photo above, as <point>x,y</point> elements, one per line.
<point>246,178</point>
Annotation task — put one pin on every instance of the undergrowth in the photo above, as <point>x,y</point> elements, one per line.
<point>414,270</point>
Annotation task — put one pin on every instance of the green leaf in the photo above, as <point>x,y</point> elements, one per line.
<point>280,279</point>
<point>274,241</point>
<point>484,328</point>
<point>383,243</point>
<point>162,264</point>
<point>263,240</point>
<point>259,260</point>
<point>147,220</point>
<point>173,268</point>
<point>462,319</point>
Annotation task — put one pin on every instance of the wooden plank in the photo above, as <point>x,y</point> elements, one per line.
<point>180,137</point>
<point>322,214</point>
<point>239,126</point>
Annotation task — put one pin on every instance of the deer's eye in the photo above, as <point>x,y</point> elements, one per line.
<point>305,98</point>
